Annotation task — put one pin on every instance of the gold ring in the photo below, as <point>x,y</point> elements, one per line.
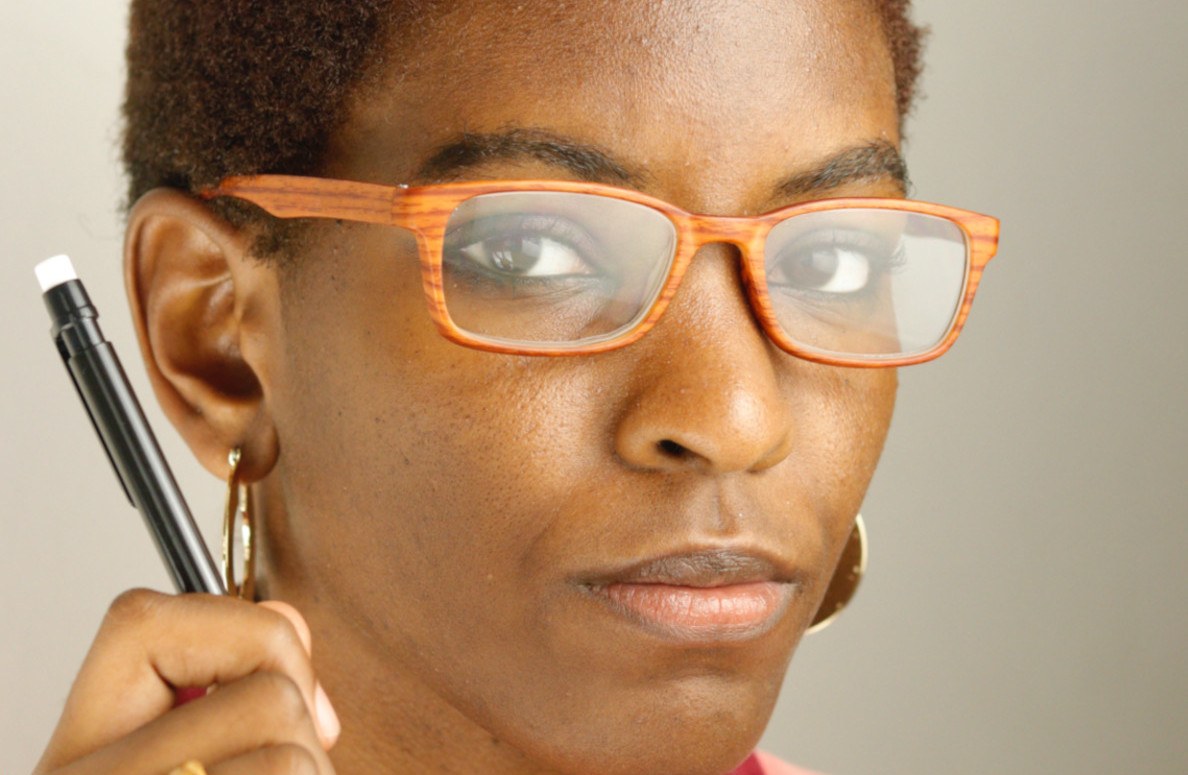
<point>191,767</point>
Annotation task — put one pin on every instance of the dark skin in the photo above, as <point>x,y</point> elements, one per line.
<point>432,510</point>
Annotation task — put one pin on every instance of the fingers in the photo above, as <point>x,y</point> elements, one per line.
<point>327,720</point>
<point>295,619</point>
<point>274,760</point>
<point>262,719</point>
<point>149,644</point>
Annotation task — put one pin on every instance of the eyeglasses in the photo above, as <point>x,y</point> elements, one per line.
<point>565,268</point>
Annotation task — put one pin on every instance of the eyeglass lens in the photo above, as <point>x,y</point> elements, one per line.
<point>866,281</point>
<point>559,269</point>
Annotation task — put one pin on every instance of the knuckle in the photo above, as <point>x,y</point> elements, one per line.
<point>280,637</point>
<point>289,759</point>
<point>132,606</point>
<point>283,697</point>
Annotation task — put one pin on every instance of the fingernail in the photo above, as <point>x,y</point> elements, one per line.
<point>327,719</point>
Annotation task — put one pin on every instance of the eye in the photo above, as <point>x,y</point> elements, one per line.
<point>834,262</point>
<point>826,269</point>
<point>523,246</point>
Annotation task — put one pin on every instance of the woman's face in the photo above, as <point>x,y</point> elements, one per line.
<point>590,564</point>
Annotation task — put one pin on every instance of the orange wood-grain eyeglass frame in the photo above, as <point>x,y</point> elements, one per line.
<point>425,211</point>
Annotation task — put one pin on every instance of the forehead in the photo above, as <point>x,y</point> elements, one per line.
<point>729,87</point>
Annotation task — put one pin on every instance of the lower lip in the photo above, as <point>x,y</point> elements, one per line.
<point>734,612</point>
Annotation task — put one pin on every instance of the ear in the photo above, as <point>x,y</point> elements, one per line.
<point>197,295</point>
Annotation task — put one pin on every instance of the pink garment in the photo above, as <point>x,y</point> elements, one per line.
<point>760,763</point>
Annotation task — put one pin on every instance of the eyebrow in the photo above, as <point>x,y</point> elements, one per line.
<point>588,162</point>
<point>878,160</point>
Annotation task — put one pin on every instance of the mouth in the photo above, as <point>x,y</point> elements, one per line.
<point>702,597</point>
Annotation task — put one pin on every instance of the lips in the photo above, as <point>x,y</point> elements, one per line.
<point>698,597</point>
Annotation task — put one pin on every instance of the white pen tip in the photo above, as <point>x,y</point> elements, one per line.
<point>55,271</point>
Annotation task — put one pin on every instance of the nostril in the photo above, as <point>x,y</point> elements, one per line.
<point>672,449</point>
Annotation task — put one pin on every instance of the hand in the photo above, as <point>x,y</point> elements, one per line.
<point>267,713</point>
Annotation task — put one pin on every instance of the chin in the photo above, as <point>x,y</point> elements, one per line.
<point>661,755</point>
<point>697,725</point>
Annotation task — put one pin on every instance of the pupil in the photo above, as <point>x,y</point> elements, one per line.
<point>515,253</point>
<point>819,267</point>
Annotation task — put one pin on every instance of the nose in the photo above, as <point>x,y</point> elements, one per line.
<point>707,389</point>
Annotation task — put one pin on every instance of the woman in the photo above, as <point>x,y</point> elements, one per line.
<point>511,562</point>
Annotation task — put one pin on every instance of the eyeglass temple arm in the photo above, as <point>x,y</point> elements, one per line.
<point>294,196</point>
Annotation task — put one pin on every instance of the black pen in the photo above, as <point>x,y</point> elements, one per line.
<point>116,414</point>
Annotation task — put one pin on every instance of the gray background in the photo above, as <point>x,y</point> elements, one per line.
<point>1025,609</point>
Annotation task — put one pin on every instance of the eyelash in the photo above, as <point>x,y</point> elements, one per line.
<point>483,228</point>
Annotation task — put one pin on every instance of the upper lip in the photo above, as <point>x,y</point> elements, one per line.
<point>714,567</point>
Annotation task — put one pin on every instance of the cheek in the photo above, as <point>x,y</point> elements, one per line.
<point>444,459</point>
<point>844,423</point>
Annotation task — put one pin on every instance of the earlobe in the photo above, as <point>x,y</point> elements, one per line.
<point>194,290</point>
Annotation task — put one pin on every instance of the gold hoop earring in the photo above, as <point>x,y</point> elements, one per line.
<point>239,509</point>
<point>846,578</point>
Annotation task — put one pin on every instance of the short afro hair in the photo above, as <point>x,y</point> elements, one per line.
<point>246,87</point>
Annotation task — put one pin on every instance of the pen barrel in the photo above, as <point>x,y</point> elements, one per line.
<point>75,319</point>
<point>141,466</point>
